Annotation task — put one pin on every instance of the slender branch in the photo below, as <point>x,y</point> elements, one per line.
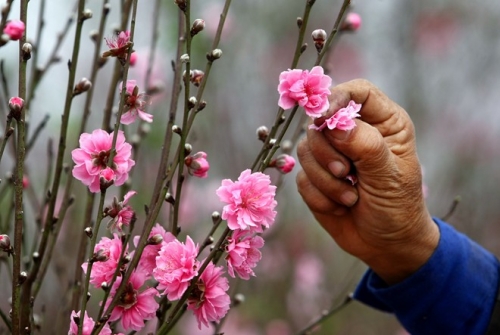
<point>8,132</point>
<point>325,315</point>
<point>35,71</point>
<point>37,132</point>
<point>17,309</point>
<point>452,209</point>
<point>5,320</point>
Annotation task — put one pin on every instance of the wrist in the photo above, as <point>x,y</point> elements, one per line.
<point>399,261</point>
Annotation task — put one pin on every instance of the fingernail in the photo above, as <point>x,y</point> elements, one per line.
<point>349,198</point>
<point>340,134</point>
<point>337,168</point>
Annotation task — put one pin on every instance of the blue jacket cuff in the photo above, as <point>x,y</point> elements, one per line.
<point>453,293</point>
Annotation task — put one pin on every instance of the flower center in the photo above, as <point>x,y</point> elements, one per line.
<point>101,159</point>
<point>129,297</point>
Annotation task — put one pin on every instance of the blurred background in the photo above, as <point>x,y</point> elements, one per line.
<point>438,59</point>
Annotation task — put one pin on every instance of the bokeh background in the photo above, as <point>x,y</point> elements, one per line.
<point>438,59</point>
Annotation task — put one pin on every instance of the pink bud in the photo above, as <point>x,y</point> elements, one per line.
<point>352,22</point>
<point>133,58</point>
<point>107,174</point>
<point>198,164</point>
<point>26,182</point>
<point>14,29</point>
<point>5,243</point>
<point>284,163</point>
<point>16,104</point>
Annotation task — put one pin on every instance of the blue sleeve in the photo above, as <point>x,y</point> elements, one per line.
<point>453,293</point>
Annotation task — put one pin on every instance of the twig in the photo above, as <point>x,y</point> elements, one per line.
<point>325,315</point>
<point>35,71</point>
<point>5,320</point>
<point>452,209</point>
<point>5,15</point>
<point>17,309</point>
<point>37,132</point>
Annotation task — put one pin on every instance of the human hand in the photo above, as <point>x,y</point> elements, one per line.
<point>382,219</point>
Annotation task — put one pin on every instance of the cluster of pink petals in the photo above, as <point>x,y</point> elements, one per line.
<point>134,306</point>
<point>250,201</point>
<point>135,103</point>
<point>102,272</point>
<point>147,263</point>
<point>118,45</point>
<point>16,104</point>
<point>14,29</point>
<point>209,301</point>
<point>243,254</point>
<point>88,325</point>
<point>284,163</point>
<point>343,119</point>
<point>92,158</point>
<point>176,265</point>
<point>308,89</point>
<point>120,213</point>
<point>198,164</point>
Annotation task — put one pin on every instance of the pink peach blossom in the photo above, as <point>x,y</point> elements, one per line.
<point>250,201</point>
<point>243,254</point>
<point>92,157</point>
<point>284,163</point>
<point>209,300</point>
<point>176,265</point>
<point>135,104</point>
<point>118,45</point>
<point>198,164</point>
<point>134,306</point>
<point>14,29</point>
<point>88,325</point>
<point>103,271</point>
<point>120,213</point>
<point>343,119</point>
<point>16,104</point>
<point>308,89</point>
<point>133,58</point>
<point>147,263</point>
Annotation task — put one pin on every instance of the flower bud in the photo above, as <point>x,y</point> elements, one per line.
<point>262,133</point>
<point>185,58</point>
<point>176,129</point>
<point>101,255</point>
<point>284,163</point>
<point>287,146</point>
<point>351,23</point>
<point>22,278</point>
<point>214,54</point>
<point>14,29</point>
<point>87,14</point>
<point>94,35</point>
<point>16,105</point>
<point>192,102</point>
<point>188,148</point>
<point>133,59</point>
<point>319,37</point>
<point>198,25</point>
<point>169,198</point>
<point>239,298</point>
<point>5,244</point>
<point>215,217</point>
<point>182,4</point>
<point>83,86</point>
<point>198,164</point>
<point>88,232</point>
<point>197,77</point>
<point>299,22</point>
<point>303,48</point>
<point>201,106</point>
<point>155,239</point>
<point>26,51</point>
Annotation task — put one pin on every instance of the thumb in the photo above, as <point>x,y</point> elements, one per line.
<point>365,146</point>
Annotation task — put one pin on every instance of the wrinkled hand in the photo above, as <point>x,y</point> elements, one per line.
<point>382,219</point>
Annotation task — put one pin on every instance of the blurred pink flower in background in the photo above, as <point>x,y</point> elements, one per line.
<point>88,325</point>
<point>209,300</point>
<point>352,22</point>
<point>147,262</point>
<point>436,32</point>
<point>133,58</point>
<point>198,164</point>
<point>211,12</point>
<point>14,29</point>
<point>250,201</point>
<point>92,157</point>
<point>243,254</point>
<point>102,272</point>
<point>135,104</point>
<point>134,307</point>
<point>176,265</point>
<point>308,89</point>
<point>278,327</point>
